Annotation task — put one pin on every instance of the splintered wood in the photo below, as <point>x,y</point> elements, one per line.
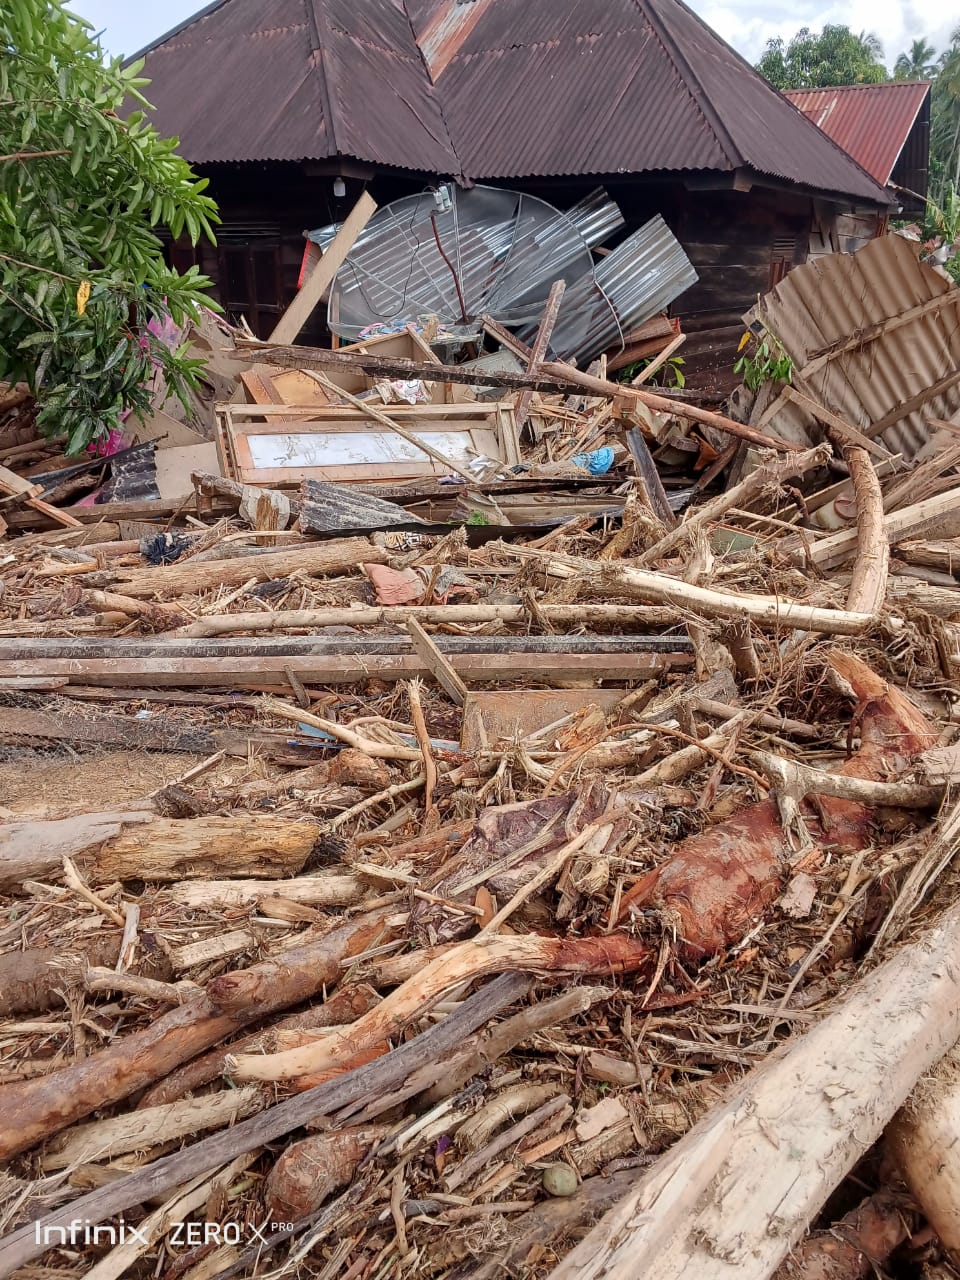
<point>489,872</point>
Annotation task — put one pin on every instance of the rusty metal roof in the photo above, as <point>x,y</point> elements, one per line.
<point>299,80</point>
<point>486,88</point>
<point>870,121</point>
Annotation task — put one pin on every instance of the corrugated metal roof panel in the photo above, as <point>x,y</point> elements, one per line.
<point>766,131</point>
<point>836,297</point>
<point>547,131</point>
<point>490,88</point>
<point>664,93</point>
<point>248,81</point>
<point>870,121</point>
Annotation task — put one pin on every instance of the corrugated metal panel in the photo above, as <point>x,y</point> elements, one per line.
<point>664,93</point>
<point>870,121</point>
<point>505,248</point>
<point>299,80</point>
<point>494,89</point>
<point>545,130</point>
<point>640,277</point>
<point>834,298</point>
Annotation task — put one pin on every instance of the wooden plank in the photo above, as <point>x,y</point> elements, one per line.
<point>937,516</point>
<point>38,685</point>
<point>17,486</point>
<point>445,673</point>
<point>540,345</point>
<point>270,673</point>
<point>160,734</point>
<point>650,477</point>
<point>12,483</point>
<point>659,361</point>
<point>324,646</point>
<point>259,385</point>
<point>561,379</point>
<point>321,278</point>
<point>506,339</point>
<point>347,416</point>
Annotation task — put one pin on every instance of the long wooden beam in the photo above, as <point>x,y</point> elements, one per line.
<point>272,673</point>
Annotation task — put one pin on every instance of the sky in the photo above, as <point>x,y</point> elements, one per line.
<point>128,25</point>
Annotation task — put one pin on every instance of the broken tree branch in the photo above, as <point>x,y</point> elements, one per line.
<point>363,1085</point>
<point>706,602</point>
<point>868,584</point>
<point>770,473</point>
<point>463,962</point>
<point>33,1110</point>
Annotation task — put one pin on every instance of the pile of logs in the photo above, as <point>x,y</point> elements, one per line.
<point>575,905</point>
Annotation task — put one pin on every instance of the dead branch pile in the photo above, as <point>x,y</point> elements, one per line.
<point>392,893</point>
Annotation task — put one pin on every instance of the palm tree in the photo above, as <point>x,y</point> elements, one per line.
<point>945,117</point>
<point>919,63</point>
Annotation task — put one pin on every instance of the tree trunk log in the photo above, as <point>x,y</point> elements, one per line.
<point>31,849</point>
<point>868,585</point>
<point>287,620</point>
<point>706,602</point>
<point>190,578</point>
<point>924,1139</point>
<point>463,962</point>
<point>157,850</point>
<point>35,1109</point>
<point>362,1087</point>
<point>855,1247</point>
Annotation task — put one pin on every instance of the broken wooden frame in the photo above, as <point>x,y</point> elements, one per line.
<point>283,444</point>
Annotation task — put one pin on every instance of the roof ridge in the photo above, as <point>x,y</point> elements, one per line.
<point>644,4</point>
<point>689,77</point>
<point>844,88</point>
<point>435,95</point>
<point>322,70</point>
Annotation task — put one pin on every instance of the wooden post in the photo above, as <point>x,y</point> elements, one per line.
<point>321,278</point>
<point>541,343</point>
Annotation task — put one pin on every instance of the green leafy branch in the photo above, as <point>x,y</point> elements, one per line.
<point>768,363</point>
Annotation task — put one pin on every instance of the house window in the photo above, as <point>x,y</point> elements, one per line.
<point>782,258</point>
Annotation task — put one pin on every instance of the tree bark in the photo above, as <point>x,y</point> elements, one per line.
<point>769,474</point>
<point>924,1139</point>
<point>157,849</point>
<point>463,962</point>
<point>31,849</point>
<point>364,1086</point>
<point>314,559</point>
<point>706,602</point>
<point>868,584</point>
<point>33,1110</point>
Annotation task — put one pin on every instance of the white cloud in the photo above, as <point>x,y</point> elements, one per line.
<point>894,23</point>
<point>128,25</point>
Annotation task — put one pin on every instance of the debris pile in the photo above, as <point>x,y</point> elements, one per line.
<point>491,821</point>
